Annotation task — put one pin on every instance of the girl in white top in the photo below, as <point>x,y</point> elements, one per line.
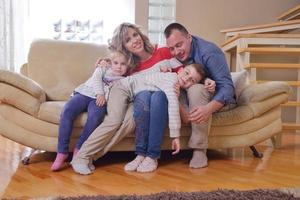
<point>89,97</point>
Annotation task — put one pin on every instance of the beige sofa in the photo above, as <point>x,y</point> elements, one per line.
<point>32,101</point>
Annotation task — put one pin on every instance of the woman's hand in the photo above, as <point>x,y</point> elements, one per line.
<point>210,85</point>
<point>103,62</point>
<point>165,69</point>
<point>100,100</point>
<point>175,146</point>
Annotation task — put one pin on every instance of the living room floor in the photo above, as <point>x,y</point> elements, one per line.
<point>235,169</point>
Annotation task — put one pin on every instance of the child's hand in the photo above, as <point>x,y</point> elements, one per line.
<point>210,85</point>
<point>103,62</point>
<point>100,100</point>
<point>175,146</point>
<point>165,69</point>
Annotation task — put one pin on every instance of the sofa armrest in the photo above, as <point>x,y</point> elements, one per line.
<point>17,98</point>
<point>263,91</point>
<point>23,83</point>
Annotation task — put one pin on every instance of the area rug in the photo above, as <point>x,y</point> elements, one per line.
<point>259,194</point>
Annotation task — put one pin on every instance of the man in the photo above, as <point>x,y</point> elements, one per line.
<point>192,49</point>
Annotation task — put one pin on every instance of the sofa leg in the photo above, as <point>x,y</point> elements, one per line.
<point>256,153</point>
<point>26,158</point>
<point>276,140</point>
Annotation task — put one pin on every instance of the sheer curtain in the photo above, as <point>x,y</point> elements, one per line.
<point>13,42</point>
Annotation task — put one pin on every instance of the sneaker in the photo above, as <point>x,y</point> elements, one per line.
<point>81,168</point>
<point>148,165</point>
<point>133,165</point>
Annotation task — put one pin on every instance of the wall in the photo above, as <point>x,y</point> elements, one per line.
<point>141,14</point>
<point>207,17</point>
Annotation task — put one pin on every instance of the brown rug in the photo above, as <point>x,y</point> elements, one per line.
<point>259,194</point>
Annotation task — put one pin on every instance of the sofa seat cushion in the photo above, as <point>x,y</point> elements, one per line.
<point>50,111</point>
<point>248,126</point>
<point>234,116</point>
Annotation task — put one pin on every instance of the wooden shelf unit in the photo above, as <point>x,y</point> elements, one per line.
<point>291,14</point>
<point>244,46</point>
<point>275,27</point>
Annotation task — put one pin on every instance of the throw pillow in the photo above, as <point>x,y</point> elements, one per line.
<point>240,81</point>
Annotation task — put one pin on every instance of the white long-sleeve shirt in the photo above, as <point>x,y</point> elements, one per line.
<point>99,83</point>
<point>154,82</point>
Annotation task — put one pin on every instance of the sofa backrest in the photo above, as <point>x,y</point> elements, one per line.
<point>60,66</point>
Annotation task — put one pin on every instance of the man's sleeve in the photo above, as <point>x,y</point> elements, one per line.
<point>219,72</point>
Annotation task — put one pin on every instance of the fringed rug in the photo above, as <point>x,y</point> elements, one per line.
<point>259,194</point>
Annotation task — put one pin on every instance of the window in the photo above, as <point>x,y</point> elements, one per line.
<point>161,13</point>
<point>78,20</point>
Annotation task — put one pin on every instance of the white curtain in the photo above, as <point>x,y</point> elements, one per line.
<point>13,34</point>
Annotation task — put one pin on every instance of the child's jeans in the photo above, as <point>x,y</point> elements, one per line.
<point>73,108</point>
<point>151,118</point>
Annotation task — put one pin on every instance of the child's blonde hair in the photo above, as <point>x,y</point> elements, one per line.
<point>114,54</point>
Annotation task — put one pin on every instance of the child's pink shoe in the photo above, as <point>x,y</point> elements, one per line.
<point>59,161</point>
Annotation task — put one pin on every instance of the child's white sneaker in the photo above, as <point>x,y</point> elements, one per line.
<point>133,165</point>
<point>148,165</point>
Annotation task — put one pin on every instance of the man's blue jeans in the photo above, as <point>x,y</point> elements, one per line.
<point>74,107</point>
<point>151,118</point>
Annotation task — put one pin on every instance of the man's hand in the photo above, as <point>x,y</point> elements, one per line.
<point>100,100</point>
<point>175,146</point>
<point>199,114</point>
<point>210,85</point>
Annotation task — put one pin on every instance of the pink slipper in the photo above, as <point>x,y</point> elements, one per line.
<point>59,161</point>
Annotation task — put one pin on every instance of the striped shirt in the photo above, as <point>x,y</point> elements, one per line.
<point>99,83</point>
<point>155,82</point>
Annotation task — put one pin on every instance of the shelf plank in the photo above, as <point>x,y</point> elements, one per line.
<point>290,126</point>
<point>290,83</point>
<point>268,26</point>
<point>270,50</point>
<point>273,65</point>
<point>261,35</point>
<point>291,104</point>
<point>293,13</point>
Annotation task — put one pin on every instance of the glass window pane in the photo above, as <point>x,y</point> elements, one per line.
<point>154,25</point>
<point>161,13</point>
<point>168,12</point>
<point>154,11</point>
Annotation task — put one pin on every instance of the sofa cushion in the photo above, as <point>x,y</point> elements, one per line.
<point>240,81</point>
<point>50,112</point>
<point>60,66</point>
<point>247,126</point>
<point>234,116</point>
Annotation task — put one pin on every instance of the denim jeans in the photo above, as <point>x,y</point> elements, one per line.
<point>73,108</point>
<point>151,118</point>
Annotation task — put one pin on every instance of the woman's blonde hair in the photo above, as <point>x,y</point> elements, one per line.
<point>118,40</point>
